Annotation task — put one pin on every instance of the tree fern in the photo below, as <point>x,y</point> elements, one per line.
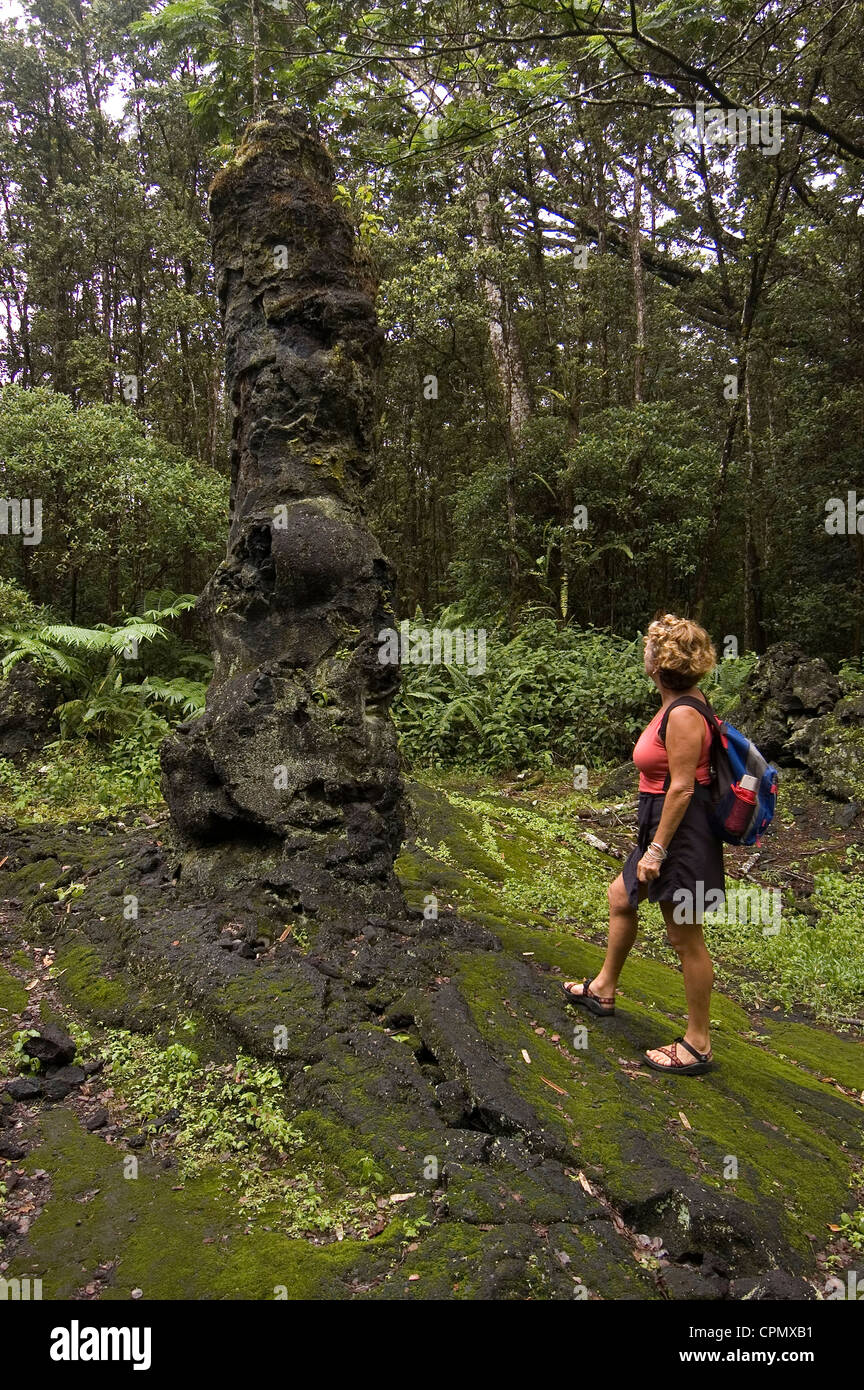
<point>103,707</point>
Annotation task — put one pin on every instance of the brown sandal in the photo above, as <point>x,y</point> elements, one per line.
<point>703,1059</point>
<point>595,1003</point>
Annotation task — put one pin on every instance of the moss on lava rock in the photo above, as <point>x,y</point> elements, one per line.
<point>435,1059</point>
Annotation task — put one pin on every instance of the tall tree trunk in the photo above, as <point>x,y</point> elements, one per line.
<point>541,278</point>
<point>858,608</point>
<point>256,59</point>
<point>511,380</point>
<point>638,281</point>
<point>602,214</point>
<point>754,634</point>
<point>760,259</point>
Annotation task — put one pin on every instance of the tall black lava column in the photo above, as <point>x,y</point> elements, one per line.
<point>293,769</point>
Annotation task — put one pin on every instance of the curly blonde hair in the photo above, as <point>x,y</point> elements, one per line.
<point>681,651</point>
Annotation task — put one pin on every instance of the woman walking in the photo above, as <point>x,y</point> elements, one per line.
<point>678,860</point>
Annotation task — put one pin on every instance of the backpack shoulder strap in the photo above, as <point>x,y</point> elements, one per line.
<point>703,708</point>
<point>710,717</point>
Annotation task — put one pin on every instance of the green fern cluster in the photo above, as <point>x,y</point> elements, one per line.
<point>90,662</point>
<point>549,697</point>
<point>119,705</point>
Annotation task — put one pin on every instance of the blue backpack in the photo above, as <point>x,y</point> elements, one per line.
<point>733,816</point>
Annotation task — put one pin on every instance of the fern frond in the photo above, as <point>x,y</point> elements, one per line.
<point>190,694</point>
<point>134,630</point>
<point>173,609</point>
<point>92,639</point>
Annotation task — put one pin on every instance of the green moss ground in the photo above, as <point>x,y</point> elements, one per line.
<point>83,980</point>
<point>13,995</point>
<point>768,1080</point>
<point>774,1102</point>
<point>13,998</point>
<point>171,1244</point>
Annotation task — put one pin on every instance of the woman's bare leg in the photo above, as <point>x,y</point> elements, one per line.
<point>623,926</point>
<point>688,943</point>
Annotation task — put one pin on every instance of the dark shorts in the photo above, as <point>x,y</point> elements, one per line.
<point>695,854</point>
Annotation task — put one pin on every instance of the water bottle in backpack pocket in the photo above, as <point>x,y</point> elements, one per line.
<point>743,787</point>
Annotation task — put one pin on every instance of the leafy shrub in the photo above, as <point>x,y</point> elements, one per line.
<point>17,608</point>
<point>851,676</point>
<point>851,1228</point>
<point>123,502</point>
<point>548,696</point>
<point>126,718</point>
<point>84,780</point>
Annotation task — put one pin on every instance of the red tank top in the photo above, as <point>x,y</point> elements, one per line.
<point>649,755</point>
